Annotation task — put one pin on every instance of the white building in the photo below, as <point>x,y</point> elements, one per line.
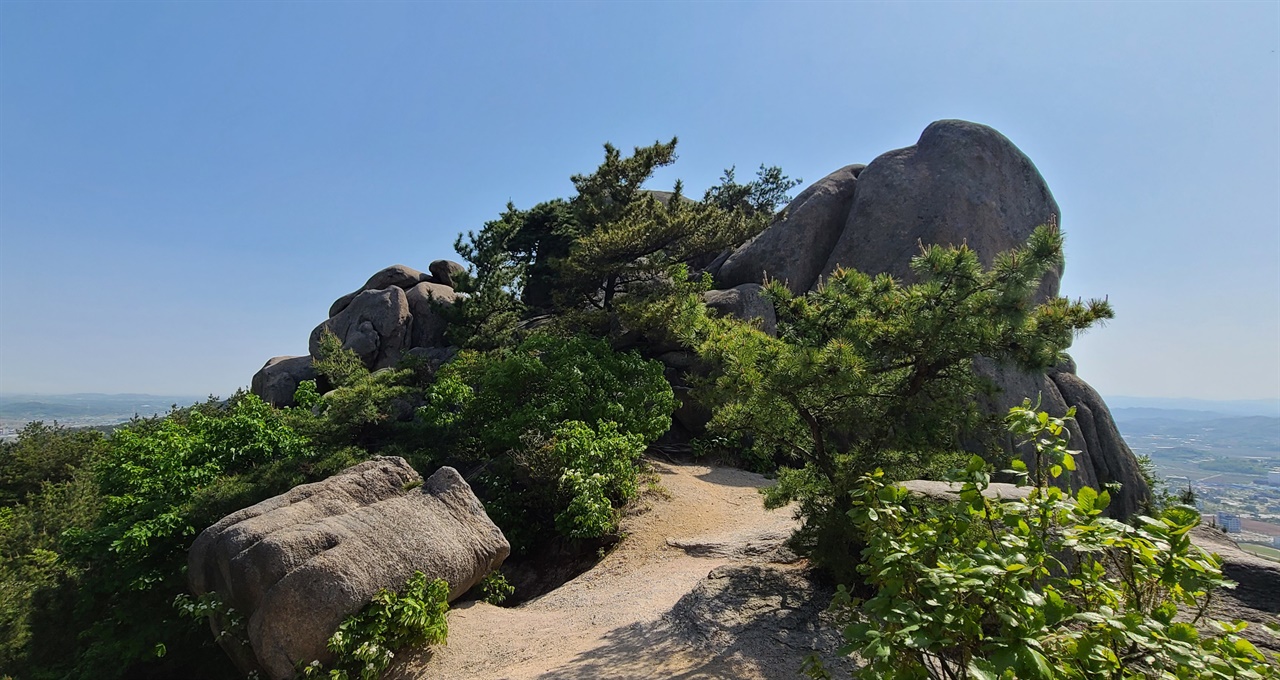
<point>1273,477</point>
<point>1230,523</point>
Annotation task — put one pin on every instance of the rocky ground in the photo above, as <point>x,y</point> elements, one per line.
<point>701,587</point>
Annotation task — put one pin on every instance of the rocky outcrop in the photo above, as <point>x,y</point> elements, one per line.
<point>375,326</point>
<point>795,248</point>
<point>1257,579</point>
<point>397,310</point>
<point>1094,431</point>
<point>397,275</point>
<point>445,271</point>
<point>276,381</point>
<point>298,564</point>
<point>746,302</point>
<point>962,183</point>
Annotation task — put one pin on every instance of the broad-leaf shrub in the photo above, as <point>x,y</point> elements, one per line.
<point>366,642</point>
<point>599,470</point>
<point>493,399</point>
<point>1044,587</point>
<point>549,432</point>
<point>95,561</point>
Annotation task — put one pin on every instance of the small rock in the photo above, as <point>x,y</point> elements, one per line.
<point>445,271</point>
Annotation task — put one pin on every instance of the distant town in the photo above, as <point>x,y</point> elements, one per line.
<point>1229,461</point>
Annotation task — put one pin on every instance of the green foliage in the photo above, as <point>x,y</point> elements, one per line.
<point>43,454</point>
<point>495,589</point>
<point>631,239</point>
<point>92,561</point>
<point>550,430</point>
<point>763,196</point>
<point>366,642</point>
<point>1044,587</point>
<point>599,470</point>
<point>360,408</point>
<point>36,579</point>
<point>612,240</point>
<point>867,372</point>
<point>489,401</point>
<point>340,366</point>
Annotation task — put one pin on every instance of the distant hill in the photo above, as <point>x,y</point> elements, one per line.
<point>1186,407</point>
<point>86,408</point>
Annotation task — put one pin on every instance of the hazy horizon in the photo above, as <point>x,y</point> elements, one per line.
<point>185,188</point>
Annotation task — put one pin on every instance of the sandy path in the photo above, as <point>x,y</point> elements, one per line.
<point>608,622</point>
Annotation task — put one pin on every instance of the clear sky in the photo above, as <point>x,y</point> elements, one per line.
<point>186,187</point>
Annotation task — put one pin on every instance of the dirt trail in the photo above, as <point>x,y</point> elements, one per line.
<point>617,620</point>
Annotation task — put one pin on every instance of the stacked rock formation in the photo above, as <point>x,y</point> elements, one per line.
<point>395,311</point>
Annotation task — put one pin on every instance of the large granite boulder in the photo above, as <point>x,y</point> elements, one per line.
<point>746,302</point>
<point>298,564</point>
<point>276,381</point>
<point>795,248</point>
<point>376,326</point>
<point>960,183</point>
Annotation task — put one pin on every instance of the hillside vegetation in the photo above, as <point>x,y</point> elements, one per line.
<point>554,394</point>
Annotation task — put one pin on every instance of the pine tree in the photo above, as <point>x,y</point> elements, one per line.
<point>867,372</point>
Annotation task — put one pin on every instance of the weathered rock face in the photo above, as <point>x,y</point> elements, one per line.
<point>428,325</point>
<point>745,302</point>
<point>961,183</point>
<point>375,326</point>
<point>299,563</point>
<point>1257,579</point>
<point>1103,456</point>
<point>276,381</point>
<point>1094,431</point>
<point>795,249</point>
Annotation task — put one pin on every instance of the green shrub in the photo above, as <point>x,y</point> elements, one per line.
<point>92,561</point>
<point>599,470</point>
<point>366,641</point>
<point>495,589</point>
<point>549,432</point>
<point>493,399</point>
<point>1044,587</point>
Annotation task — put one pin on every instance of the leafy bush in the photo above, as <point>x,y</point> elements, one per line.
<point>493,399</point>
<point>599,470</point>
<point>1044,587</point>
<point>366,642</point>
<point>495,589</point>
<point>92,561</point>
<point>549,432</point>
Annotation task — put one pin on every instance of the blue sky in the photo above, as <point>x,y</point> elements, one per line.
<point>186,187</point>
